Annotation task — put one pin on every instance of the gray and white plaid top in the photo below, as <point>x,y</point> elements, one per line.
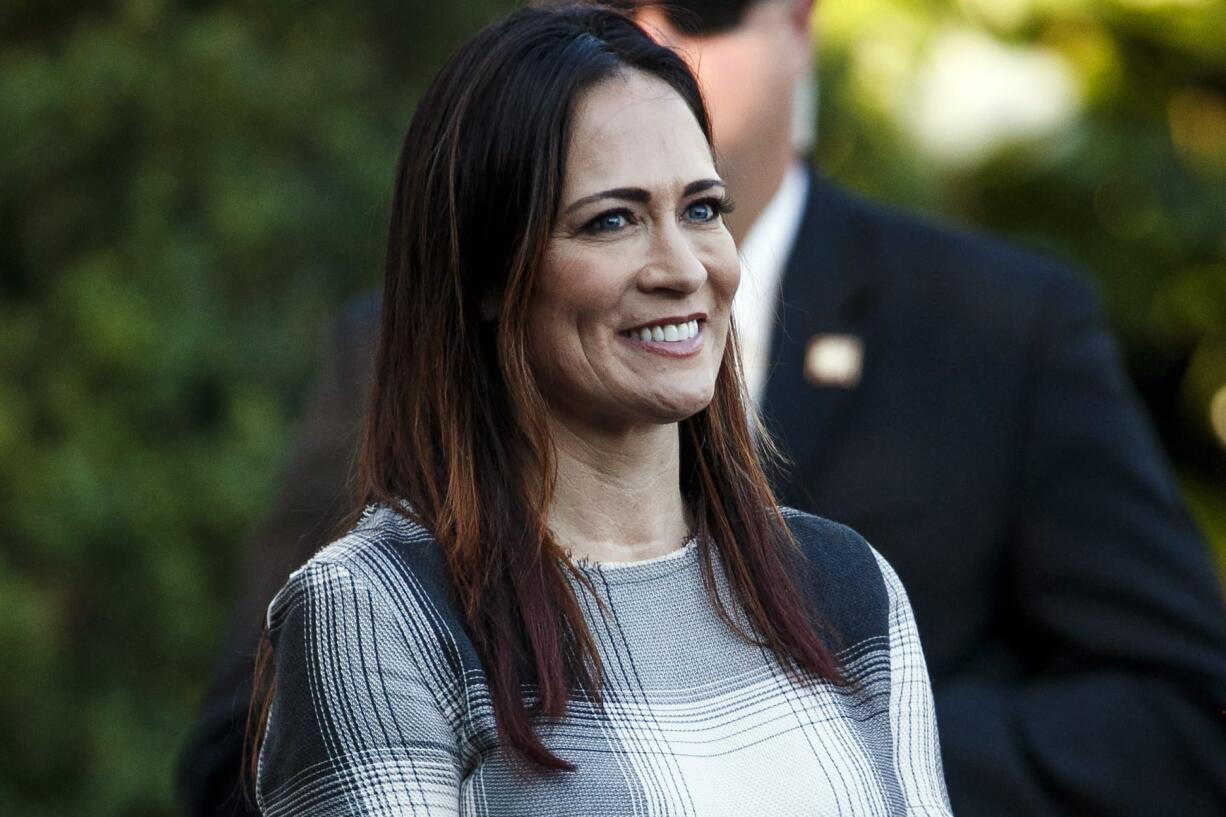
<point>381,705</point>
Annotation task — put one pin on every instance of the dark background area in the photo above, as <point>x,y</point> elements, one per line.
<point>189,189</point>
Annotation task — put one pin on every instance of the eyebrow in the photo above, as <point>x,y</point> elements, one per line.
<point>638,194</point>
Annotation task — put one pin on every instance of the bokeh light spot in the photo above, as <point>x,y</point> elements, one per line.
<point>1217,414</point>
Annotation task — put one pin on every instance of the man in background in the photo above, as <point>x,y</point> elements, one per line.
<point>956,401</point>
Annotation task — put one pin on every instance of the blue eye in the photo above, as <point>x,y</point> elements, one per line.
<point>701,211</point>
<point>705,210</point>
<point>609,222</point>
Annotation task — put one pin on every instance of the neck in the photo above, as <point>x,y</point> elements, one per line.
<point>617,496</point>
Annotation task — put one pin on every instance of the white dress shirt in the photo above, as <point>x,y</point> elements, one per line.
<point>764,252</point>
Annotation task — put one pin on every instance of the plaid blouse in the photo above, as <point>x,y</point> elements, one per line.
<point>381,705</point>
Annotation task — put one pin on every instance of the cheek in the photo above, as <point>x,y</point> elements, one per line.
<point>728,278</point>
<point>723,267</point>
<point>557,292</point>
<point>571,300</point>
<point>589,280</point>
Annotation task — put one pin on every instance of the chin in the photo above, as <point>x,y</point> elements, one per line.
<point>676,407</point>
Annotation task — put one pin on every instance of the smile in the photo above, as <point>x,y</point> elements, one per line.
<point>664,332</point>
<point>674,337</point>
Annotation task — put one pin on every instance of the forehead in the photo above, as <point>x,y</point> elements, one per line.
<point>634,130</point>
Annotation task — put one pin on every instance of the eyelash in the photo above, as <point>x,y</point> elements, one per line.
<point>720,206</point>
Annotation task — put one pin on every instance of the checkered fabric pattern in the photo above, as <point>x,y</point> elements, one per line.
<point>381,705</point>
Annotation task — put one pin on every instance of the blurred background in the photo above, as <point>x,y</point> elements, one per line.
<point>189,189</point>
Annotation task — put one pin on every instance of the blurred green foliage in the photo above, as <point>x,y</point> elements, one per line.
<point>187,189</point>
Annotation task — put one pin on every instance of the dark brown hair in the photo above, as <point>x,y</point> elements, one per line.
<point>696,18</point>
<point>457,426</point>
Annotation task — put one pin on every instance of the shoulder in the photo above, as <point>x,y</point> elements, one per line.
<point>846,581</point>
<point>386,557</point>
<point>948,265</point>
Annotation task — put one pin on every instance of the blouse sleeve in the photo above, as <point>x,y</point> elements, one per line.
<point>354,727</point>
<point>917,751</point>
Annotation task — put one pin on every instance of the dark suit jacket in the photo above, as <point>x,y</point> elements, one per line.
<point>994,453</point>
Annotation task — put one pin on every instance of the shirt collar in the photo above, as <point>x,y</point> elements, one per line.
<point>764,253</point>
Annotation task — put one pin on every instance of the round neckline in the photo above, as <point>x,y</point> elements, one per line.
<point>641,569</point>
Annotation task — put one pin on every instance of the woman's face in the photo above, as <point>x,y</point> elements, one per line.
<point>630,315</point>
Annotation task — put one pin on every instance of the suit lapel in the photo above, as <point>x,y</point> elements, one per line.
<point>827,290</point>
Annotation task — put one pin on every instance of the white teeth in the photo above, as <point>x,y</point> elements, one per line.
<point>665,333</point>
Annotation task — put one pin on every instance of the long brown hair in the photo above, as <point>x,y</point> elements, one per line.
<point>456,435</point>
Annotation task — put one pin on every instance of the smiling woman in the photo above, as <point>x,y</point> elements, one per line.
<point>570,589</point>
<point>630,316</point>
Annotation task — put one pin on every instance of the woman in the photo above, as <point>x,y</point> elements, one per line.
<point>571,591</point>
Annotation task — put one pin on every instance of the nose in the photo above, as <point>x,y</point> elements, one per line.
<point>673,263</point>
